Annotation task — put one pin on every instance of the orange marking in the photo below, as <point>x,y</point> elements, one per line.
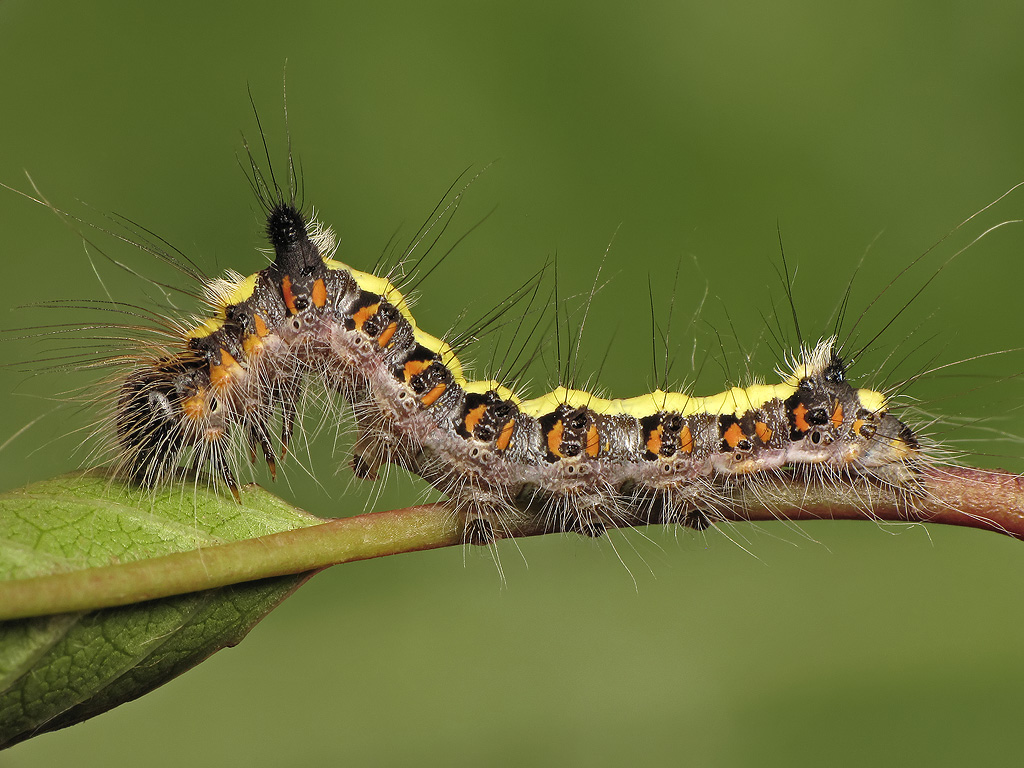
<point>654,441</point>
<point>414,368</point>
<point>902,448</point>
<point>763,431</point>
<point>733,435</point>
<point>364,314</point>
<point>286,291</point>
<point>194,407</point>
<point>555,439</point>
<point>506,435</point>
<point>686,439</point>
<point>431,397</point>
<point>837,416</point>
<point>593,441</point>
<point>223,374</point>
<point>319,293</point>
<point>799,414</point>
<point>261,326</point>
<point>252,345</point>
<point>386,335</point>
<point>857,425</point>
<point>473,418</point>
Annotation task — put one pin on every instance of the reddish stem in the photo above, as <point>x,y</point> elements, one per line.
<point>992,500</point>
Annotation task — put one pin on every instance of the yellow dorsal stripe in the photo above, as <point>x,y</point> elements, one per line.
<point>735,401</point>
<point>383,287</point>
<point>479,387</point>
<point>226,294</point>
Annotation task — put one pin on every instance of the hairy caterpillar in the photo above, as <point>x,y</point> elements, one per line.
<point>573,460</point>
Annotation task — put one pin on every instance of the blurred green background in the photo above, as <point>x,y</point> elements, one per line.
<point>688,132</point>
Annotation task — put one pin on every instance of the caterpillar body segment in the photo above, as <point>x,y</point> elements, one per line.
<point>572,460</point>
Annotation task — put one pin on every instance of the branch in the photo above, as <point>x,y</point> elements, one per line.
<point>990,500</point>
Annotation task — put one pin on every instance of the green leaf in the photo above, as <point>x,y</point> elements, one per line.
<point>56,670</point>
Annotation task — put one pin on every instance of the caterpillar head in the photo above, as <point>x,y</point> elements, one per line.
<point>879,439</point>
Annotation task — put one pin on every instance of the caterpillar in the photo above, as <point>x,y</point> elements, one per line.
<point>568,460</point>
